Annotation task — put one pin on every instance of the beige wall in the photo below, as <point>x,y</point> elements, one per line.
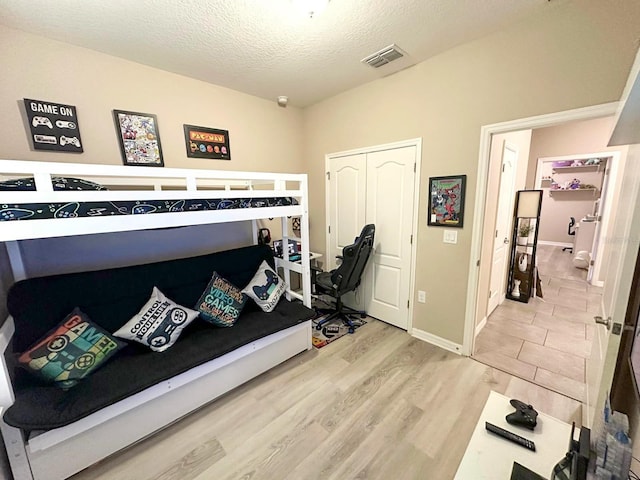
<point>520,140</point>
<point>263,136</point>
<point>575,54</point>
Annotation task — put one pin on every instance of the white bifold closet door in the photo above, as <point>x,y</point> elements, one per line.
<point>376,187</point>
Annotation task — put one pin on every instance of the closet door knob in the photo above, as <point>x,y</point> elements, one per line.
<point>506,241</point>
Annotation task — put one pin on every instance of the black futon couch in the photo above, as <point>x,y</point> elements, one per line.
<point>110,298</point>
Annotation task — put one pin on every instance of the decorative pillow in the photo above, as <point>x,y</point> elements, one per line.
<point>266,287</point>
<point>71,351</point>
<point>158,324</point>
<point>221,302</point>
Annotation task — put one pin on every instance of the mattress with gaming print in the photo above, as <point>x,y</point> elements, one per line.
<point>39,211</point>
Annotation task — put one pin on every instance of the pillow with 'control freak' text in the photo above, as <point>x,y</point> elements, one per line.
<point>71,351</point>
<point>266,287</point>
<point>221,302</point>
<point>158,324</point>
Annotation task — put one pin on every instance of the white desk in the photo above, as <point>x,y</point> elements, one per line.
<point>489,457</point>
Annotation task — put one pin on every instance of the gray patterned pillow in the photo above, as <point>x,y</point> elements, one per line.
<point>158,324</point>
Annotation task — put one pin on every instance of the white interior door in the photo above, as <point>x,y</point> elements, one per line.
<point>390,185</point>
<point>347,201</point>
<point>376,185</point>
<point>501,241</point>
<point>620,258</point>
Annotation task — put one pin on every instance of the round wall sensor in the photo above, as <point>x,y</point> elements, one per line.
<point>283,100</point>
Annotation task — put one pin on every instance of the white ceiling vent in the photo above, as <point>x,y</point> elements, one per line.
<point>384,56</point>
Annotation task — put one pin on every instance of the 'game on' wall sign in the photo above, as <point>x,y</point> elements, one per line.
<point>53,126</point>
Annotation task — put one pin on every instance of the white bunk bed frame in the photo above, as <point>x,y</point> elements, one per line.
<point>61,452</point>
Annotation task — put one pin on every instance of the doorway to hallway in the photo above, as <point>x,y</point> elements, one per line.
<point>546,341</point>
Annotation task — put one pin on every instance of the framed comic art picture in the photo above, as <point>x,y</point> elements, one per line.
<point>205,142</point>
<point>446,201</point>
<point>139,138</point>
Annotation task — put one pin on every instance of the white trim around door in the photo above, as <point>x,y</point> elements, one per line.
<point>417,143</point>
<point>486,131</point>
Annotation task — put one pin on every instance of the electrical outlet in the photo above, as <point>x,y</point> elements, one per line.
<point>422,296</point>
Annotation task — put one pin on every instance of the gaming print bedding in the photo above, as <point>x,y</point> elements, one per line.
<point>39,211</point>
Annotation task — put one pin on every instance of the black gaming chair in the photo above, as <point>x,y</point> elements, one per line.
<point>572,223</point>
<point>346,277</point>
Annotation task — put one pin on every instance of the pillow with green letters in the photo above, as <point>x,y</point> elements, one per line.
<point>71,351</point>
<point>221,302</point>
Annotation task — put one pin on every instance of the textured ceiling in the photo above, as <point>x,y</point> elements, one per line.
<point>265,47</point>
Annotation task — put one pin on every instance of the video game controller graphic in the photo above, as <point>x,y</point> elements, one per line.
<point>7,214</point>
<point>69,210</point>
<point>50,139</point>
<point>69,141</point>
<point>162,335</point>
<point>64,356</point>
<point>37,121</point>
<point>263,291</point>
<point>143,208</point>
<point>65,124</point>
<point>524,416</point>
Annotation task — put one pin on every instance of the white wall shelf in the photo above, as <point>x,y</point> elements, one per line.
<point>573,191</point>
<point>581,168</point>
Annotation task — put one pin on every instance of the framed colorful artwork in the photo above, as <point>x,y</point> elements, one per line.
<point>446,201</point>
<point>204,142</point>
<point>139,138</point>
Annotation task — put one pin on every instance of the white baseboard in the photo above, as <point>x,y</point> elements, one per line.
<point>437,341</point>
<point>481,325</point>
<point>555,244</point>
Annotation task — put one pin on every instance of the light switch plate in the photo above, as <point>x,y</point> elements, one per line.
<point>422,296</point>
<point>450,236</point>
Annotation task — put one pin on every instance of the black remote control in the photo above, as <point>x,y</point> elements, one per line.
<point>512,437</point>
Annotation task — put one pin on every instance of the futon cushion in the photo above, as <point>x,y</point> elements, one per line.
<point>71,351</point>
<point>158,324</point>
<point>265,288</point>
<point>221,302</point>
<point>42,407</point>
<point>111,297</point>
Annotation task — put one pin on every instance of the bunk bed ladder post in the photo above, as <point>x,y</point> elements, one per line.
<point>43,182</point>
<point>15,444</point>
<point>15,260</point>
<point>14,439</point>
<point>254,231</point>
<point>285,254</point>
<point>191,184</point>
<point>304,240</point>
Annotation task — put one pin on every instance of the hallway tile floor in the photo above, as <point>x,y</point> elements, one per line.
<point>545,341</point>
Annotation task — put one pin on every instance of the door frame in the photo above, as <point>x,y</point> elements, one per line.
<point>486,132</point>
<point>414,142</point>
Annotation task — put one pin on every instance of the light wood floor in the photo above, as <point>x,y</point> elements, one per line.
<point>378,404</point>
<point>546,341</point>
